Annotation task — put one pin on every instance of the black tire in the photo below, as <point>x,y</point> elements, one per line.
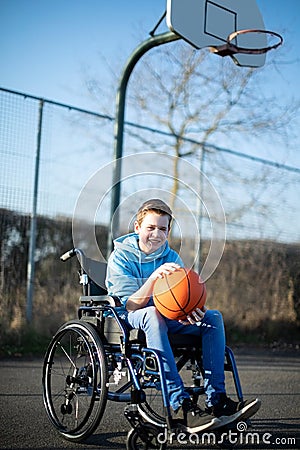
<point>152,409</point>
<point>75,380</point>
<point>145,437</point>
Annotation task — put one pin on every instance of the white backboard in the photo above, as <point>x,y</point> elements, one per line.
<point>207,23</point>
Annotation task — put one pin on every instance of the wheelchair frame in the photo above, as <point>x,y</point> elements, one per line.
<point>88,358</point>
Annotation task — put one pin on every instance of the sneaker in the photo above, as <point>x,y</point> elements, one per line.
<point>192,419</point>
<point>228,411</point>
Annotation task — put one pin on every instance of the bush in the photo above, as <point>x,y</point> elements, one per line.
<point>256,286</point>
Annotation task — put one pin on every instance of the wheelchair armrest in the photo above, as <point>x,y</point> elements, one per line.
<point>97,300</point>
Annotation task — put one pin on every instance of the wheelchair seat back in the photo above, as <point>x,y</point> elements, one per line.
<point>96,272</point>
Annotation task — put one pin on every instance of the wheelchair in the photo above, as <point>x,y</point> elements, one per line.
<point>96,358</point>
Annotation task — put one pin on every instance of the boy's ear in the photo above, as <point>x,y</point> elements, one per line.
<point>136,226</point>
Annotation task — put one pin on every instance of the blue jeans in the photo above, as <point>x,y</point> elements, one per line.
<point>211,331</point>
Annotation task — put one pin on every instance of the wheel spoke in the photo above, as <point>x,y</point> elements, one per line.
<point>74,380</point>
<point>65,352</point>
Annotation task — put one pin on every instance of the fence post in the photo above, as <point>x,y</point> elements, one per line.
<point>32,237</point>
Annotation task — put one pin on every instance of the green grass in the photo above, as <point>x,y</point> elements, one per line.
<point>27,343</point>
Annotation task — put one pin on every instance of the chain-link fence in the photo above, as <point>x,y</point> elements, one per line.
<point>49,154</point>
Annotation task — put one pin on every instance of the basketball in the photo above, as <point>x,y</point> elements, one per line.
<point>179,293</point>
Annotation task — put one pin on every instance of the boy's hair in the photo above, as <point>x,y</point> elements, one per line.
<point>154,205</point>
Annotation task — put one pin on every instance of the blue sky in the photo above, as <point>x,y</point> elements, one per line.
<point>45,44</point>
<point>48,47</point>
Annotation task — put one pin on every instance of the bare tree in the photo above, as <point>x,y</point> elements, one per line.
<point>196,104</point>
<point>205,103</point>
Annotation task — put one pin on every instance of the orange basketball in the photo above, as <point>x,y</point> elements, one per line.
<point>179,293</point>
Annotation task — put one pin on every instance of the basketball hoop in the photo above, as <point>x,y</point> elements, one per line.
<point>230,49</point>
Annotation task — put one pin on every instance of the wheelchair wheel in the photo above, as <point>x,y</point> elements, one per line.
<point>120,382</point>
<point>75,380</point>
<point>144,437</point>
<point>152,409</point>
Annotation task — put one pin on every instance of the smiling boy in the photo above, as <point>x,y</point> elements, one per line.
<point>138,260</point>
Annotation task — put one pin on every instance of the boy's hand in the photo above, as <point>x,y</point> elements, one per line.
<point>164,269</point>
<point>195,317</point>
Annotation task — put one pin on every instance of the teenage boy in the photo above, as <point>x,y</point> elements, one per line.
<point>138,260</point>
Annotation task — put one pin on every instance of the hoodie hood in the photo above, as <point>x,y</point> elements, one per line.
<point>128,267</point>
<point>130,243</point>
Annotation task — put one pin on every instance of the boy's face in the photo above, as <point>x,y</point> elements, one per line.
<point>153,232</point>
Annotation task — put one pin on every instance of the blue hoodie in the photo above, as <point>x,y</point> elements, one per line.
<point>128,267</point>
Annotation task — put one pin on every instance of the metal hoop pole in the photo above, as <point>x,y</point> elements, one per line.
<point>148,44</point>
